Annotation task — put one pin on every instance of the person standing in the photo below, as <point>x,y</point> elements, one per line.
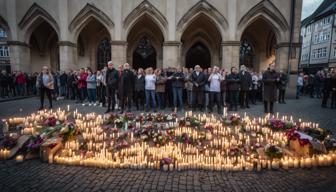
<point>198,79</point>
<point>326,88</point>
<point>233,83</point>
<point>299,85</point>
<point>91,87</point>
<point>282,87</point>
<point>20,82</point>
<point>103,87</point>
<point>111,79</point>
<point>224,92</point>
<point>215,79</point>
<point>99,86</point>
<point>72,86</point>
<point>270,80</point>
<point>333,89</point>
<point>45,82</point>
<point>126,89</point>
<point>245,86</point>
<point>4,83</point>
<point>150,80</point>
<point>188,86</point>
<point>63,85</point>
<point>177,85</point>
<point>139,89</point>
<point>254,90</point>
<point>81,83</point>
<point>160,87</point>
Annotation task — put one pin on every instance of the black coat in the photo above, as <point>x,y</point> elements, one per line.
<point>199,79</point>
<point>270,80</point>
<point>178,80</point>
<point>333,83</point>
<point>245,81</point>
<point>283,81</point>
<point>233,82</point>
<point>4,80</point>
<point>139,83</point>
<point>127,82</point>
<point>63,79</point>
<point>112,78</point>
<point>326,85</point>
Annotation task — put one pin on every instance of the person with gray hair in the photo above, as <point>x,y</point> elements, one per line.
<point>245,86</point>
<point>215,79</point>
<point>198,80</point>
<point>111,79</point>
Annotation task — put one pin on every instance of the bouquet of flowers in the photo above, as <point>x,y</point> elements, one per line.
<point>184,138</point>
<point>68,131</point>
<point>110,119</point>
<point>51,121</point>
<point>279,125</point>
<point>273,152</point>
<point>34,144</point>
<point>119,123</point>
<point>233,120</point>
<point>190,122</point>
<point>166,161</point>
<point>160,139</point>
<point>292,134</point>
<point>317,133</point>
<point>128,116</point>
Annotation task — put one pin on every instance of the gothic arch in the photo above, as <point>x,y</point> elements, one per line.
<point>199,9</point>
<point>266,11</point>
<point>88,13</point>
<point>33,18</point>
<point>145,9</point>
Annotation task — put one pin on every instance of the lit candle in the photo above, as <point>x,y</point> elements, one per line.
<point>19,158</point>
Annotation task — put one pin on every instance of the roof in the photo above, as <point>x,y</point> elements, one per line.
<point>327,7</point>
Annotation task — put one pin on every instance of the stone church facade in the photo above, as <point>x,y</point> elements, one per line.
<point>69,34</point>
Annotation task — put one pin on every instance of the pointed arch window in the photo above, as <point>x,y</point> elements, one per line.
<point>246,53</point>
<point>3,33</point>
<point>103,53</point>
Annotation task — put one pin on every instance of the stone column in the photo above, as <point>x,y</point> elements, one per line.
<point>68,56</point>
<point>19,56</point>
<point>118,52</point>
<point>171,54</point>
<point>230,54</point>
<point>281,58</point>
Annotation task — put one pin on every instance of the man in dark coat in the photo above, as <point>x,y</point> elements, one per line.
<point>233,85</point>
<point>245,85</point>
<point>282,87</point>
<point>112,79</point>
<point>198,80</point>
<point>126,89</point>
<point>139,89</point>
<point>4,83</point>
<point>270,80</point>
<point>326,88</point>
<point>333,89</point>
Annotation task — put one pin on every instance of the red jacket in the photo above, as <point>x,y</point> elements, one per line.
<point>20,79</point>
<point>82,80</point>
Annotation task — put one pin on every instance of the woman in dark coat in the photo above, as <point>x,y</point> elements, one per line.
<point>126,88</point>
<point>270,80</point>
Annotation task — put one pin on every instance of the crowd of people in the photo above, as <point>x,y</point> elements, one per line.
<point>122,88</point>
<point>319,85</point>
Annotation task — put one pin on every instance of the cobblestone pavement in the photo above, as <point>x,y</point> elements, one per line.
<point>34,175</point>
